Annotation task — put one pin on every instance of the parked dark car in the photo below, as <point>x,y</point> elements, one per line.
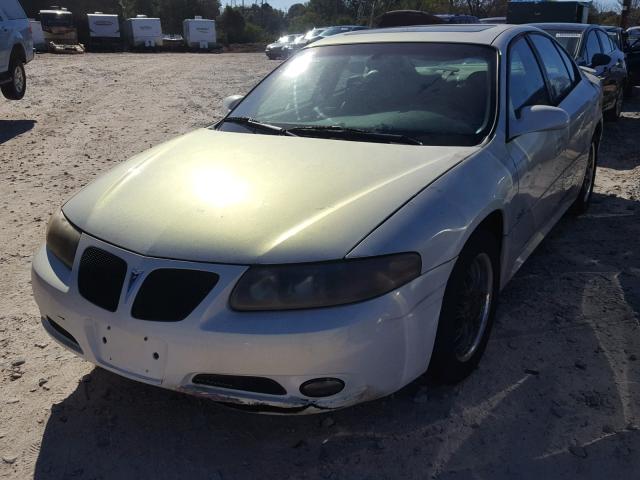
<point>591,47</point>
<point>276,49</point>
<point>632,53</point>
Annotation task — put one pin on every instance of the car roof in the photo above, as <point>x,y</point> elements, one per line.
<point>566,26</point>
<point>479,33</point>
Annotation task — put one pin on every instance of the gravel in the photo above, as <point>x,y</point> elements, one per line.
<point>577,297</point>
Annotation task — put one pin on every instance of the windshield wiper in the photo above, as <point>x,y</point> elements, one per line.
<point>265,127</point>
<point>336,131</point>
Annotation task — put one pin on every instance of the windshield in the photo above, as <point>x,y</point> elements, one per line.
<point>568,39</point>
<point>437,93</point>
<point>56,20</point>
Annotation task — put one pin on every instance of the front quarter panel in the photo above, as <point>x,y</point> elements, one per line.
<point>438,221</point>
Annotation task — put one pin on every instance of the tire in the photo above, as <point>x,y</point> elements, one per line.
<point>457,350</point>
<point>586,191</point>
<point>613,114</point>
<point>17,87</point>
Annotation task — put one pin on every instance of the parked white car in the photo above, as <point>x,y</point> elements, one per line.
<point>16,49</point>
<point>346,227</point>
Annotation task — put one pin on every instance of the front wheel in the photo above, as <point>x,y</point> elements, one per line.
<point>16,88</point>
<point>467,310</point>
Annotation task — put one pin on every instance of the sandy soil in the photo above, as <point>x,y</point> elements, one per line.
<point>557,393</point>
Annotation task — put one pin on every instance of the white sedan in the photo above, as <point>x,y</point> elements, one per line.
<point>347,227</point>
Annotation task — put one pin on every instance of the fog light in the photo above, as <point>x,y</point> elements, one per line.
<point>321,387</point>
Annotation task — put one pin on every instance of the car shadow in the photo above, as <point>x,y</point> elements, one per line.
<point>556,394</point>
<point>12,128</point>
<point>619,149</point>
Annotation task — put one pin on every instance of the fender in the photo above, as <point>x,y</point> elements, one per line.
<point>438,222</point>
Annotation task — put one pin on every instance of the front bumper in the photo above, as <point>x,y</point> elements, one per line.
<point>374,347</point>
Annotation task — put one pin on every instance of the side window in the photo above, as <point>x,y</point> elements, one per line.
<point>526,83</point>
<point>571,68</point>
<point>592,47</point>
<point>605,42</point>
<point>557,73</point>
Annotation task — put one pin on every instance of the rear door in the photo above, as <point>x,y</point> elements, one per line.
<point>591,47</point>
<point>616,69</point>
<point>563,79</point>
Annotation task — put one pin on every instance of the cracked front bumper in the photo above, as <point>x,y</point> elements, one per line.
<point>374,347</point>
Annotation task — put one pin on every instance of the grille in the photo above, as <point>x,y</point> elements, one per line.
<point>171,294</point>
<point>101,277</point>
<point>241,382</point>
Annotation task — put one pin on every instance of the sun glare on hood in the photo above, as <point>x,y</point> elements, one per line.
<point>218,187</point>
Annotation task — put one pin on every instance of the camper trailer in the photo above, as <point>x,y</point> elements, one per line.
<point>199,33</point>
<point>104,31</point>
<point>38,36</point>
<point>143,32</point>
<point>60,33</point>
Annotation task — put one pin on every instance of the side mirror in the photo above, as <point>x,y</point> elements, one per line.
<point>229,103</point>
<point>538,118</point>
<point>599,59</point>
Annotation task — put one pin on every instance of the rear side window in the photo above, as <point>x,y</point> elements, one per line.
<point>557,73</point>
<point>571,68</point>
<point>607,46</point>
<point>526,83</point>
<point>592,47</point>
<point>13,10</point>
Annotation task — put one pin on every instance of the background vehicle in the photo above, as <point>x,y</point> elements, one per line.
<point>535,12</point>
<point>60,33</point>
<point>591,46</point>
<point>404,18</point>
<point>143,32</point>
<point>277,49</point>
<point>450,18</point>
<point>104,31</point>
<point>303,40</point>
<point>199,33</point>
<point>632,52</point>
<point>38,36</point>
<point>16,49</point>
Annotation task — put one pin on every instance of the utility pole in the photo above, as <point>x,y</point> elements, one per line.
<point>624,17</point>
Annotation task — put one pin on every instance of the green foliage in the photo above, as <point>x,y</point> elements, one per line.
<point>260,22</point>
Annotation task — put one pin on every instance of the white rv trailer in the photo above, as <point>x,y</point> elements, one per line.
<point>38,36</point>
<point>143,32</point>
<point>199,33</point>
<point>104,30</point>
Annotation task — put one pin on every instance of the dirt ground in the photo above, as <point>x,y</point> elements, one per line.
<point>557,394</point>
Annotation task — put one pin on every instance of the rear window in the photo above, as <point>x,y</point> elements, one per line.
<point>568,39</point>
<point>12,10</point>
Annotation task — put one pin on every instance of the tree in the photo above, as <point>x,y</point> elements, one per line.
<point>232,25</point>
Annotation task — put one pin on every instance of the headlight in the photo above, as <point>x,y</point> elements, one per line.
<point>314,285</point>
<point>62,238</point>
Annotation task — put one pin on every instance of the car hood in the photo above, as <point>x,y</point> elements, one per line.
<point>247,198</point>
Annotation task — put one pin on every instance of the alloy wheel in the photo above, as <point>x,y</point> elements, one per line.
<point>474,307</point>
<point>18,79</point>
